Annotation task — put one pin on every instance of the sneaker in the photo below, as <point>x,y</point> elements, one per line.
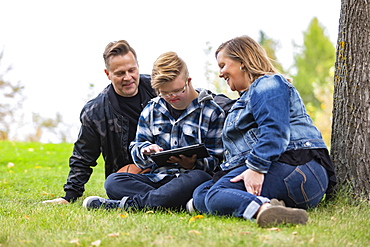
<point>275,215</point>
<point>94,202</point>
<point>190,206</point>
<point>276,202</point>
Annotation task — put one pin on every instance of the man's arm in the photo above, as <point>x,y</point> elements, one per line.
<point>85,153</point>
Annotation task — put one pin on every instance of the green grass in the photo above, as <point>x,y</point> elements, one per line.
<point>33,172</point>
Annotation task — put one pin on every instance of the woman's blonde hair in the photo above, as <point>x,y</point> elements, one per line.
<point>167,68</point>
<point>248,52</point>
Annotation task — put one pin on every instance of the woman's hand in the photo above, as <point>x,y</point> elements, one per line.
<point>252,180</point>
<point>183,161</point>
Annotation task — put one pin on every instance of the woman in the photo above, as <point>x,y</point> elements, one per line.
<point>272,149</point>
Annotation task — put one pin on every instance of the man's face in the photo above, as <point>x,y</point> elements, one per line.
<point>124,74</point>
<point>176,93</point>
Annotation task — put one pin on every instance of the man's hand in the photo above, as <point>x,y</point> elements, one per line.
<point>56,201</point>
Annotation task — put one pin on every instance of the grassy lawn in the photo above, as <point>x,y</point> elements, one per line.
<point>33,172</point>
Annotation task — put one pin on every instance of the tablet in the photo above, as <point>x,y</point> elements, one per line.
<point>161,158</point>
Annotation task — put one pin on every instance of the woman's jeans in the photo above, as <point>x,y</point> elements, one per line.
<point>171,192</point>
<point>298,186</point>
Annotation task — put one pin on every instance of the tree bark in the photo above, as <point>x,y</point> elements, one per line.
<point>350,142</point>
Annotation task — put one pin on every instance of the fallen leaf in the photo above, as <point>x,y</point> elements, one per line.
<point>149,212</point>
<point>74,241</point>
<point>168,211</point>
<point>123,215</point>
<point>24,241</point>
<point>274,229</point>
<point>96,243</point>
<point>116,234</point>
<point>244,233</point>
<point>47,193</point>
<point>312,240</point>
<point>195,232</point>
<point>196,217</point>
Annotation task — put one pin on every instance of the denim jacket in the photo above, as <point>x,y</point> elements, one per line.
<point>267,120</point>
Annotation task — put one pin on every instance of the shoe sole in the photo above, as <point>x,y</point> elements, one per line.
<point>86,202</point>
<point>190,206</point>
<point>277,202</point>
<point>276,215</point>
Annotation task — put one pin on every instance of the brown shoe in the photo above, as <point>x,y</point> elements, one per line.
<point>276,202</point>
<point>275,215</point>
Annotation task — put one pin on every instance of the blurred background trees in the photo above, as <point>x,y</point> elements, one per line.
<point>11,100</point>
<point>12,114</point>
<point>314,76</point>
<point>312,73</point>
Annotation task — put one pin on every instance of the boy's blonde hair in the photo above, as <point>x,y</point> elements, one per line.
<point>167,68</point>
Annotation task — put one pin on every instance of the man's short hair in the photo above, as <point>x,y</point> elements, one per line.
<point>117,48</point>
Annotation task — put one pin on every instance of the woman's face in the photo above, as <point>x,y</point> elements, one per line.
<point>233,72</point>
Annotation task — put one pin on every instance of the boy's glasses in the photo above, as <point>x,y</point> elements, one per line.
<point>174,93</point>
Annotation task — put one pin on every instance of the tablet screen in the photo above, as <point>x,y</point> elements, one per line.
<point>161,158</point>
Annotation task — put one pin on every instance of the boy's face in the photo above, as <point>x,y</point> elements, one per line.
<point>176,93</point>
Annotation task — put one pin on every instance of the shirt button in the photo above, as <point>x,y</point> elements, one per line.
<point>227,164</point>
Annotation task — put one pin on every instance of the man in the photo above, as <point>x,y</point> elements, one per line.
<point>109,121</point>
<point>180,116</point>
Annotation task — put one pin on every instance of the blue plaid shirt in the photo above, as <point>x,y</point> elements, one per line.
<point>201,122</point>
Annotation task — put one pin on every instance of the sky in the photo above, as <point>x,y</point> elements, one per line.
<point>55,47</point>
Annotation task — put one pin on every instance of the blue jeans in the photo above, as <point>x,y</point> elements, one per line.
<point>171,192</point>
<point>298,186</point>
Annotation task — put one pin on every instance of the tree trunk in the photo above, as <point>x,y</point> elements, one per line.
<point>350,142</point>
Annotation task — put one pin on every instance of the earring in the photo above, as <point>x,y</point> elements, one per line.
<point>241,68</point>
